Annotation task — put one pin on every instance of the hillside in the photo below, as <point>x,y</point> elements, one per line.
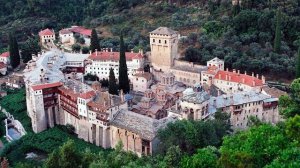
<point>242,35</point>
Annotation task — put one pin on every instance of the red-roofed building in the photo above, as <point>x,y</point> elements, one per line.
<point>102,61</point>
<point>47,35</point>
<point>232,82</point>
<point>5,57</point>
<point>82,32</point>
<point>66,36</point>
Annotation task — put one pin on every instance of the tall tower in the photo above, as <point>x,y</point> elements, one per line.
<point>164,48</point>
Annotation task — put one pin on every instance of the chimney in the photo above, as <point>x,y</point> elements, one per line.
<point>245,72</point>
<point>131,50</point>
<point>141,51</point>
<point>90,52</point>
<point>238,71</point>
<point>96,52</point>
<point>227,69</point>
<point>106,49</point>
<point>234,71</point>
<point>226,77</point>
<point>111,49</point>
<point>229,78</point>
<point>243,80</point>
<point>252,74</point>
<point>263,79</point>
<point>257,76</point>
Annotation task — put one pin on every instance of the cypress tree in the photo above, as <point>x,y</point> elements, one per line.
<point>123,76</point>
<point>277,40</point>
<point>298,65</point>
<point>94,41</point>
<point>112,87</point>
<point>14,51</point>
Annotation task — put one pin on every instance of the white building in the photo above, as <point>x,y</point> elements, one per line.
<point>101,62</point>
<point>141,81</point>
<point>216,62</point>
<point>47,35</point>
<point>5,58</point>
<point>66,36</point>
<point>3,68</point>
<point>233,82</point>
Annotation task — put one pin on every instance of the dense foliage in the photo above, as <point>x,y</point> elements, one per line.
<point>14,51</point>
<point>123,71</point>
<point>112,84</point>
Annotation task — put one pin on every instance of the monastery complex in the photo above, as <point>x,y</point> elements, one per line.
<point>57,94</point>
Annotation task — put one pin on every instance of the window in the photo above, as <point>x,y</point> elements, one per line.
<point>153,40</point>
<point>159,41</point>
<point>165,41</point>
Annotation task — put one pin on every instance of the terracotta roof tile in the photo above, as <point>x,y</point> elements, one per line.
<point>238,78</point>
<point>81,30</point>
<point>46,32</point>
<point>5,54</point>
<point>2,65</point>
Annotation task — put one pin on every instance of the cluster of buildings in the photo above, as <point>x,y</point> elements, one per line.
<point>173,89</point>
<point>67,35</point>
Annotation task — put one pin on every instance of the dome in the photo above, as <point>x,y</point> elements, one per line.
<point>188,91</point>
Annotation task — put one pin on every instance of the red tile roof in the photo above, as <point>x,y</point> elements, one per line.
<point>2,65</point>
<point>46,32</point>
<point>5,54</point>
<point>87,95</point>
<point>46,85</point>
<point>114,56</point>
<point>65,31</point>
<point>238,78</point>
<point>81,30</point>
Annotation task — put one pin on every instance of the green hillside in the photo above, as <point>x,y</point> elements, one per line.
<point>242,35</point>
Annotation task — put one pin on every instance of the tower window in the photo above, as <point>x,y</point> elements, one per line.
<point>159,41</point>
<point>153,40</point>
<point>165,41</point>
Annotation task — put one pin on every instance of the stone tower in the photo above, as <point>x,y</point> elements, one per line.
<point>164,48</point>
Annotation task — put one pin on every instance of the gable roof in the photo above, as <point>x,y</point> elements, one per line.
<point>65,31</point>
<point>238,78</point>
<point>5,54</point>
<point>114,56</point>
<point>145,127</point>
<point>81,30</point>
<point>164,31</point>
<point>46,32</point>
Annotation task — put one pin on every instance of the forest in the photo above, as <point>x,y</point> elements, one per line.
<point>243,35</point>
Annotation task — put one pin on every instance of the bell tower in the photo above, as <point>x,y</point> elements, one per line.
<point>164,48</point>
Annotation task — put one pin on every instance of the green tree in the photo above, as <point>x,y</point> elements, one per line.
<point>69,157</point>
<point>123,74</point>
<point>298,64</point>
<point>172,157</point>
<point>14,51</point>
<point>288,158</point>
<point>204,158</point>
<point>31,46</point>
<point>112,86</point>
<point>76,47</point>
<point>277,40</point>
<point>95,45</point>
<point>293,128</point>
<point>53,160</point>
<point>255,147</point>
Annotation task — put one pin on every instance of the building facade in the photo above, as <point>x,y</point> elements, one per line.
<point>47,36</point>
<point>101,61</point>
